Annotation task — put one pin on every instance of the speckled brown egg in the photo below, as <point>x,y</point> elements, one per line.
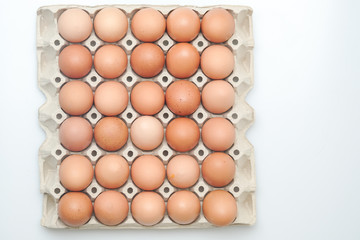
<point>182,97</point>
<point>182,60</point>
<point>219,207</point>
<point>182,134</point>
<point>75,134</point>
<point>75,61</point>
<point>147,60</point>
<point>75,209</point>
<point>111,133</point>
<point>218,134</point>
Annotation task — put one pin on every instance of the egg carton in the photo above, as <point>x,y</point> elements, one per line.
<point>51,152</point>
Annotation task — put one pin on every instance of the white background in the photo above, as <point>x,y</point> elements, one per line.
<point>306,134</point>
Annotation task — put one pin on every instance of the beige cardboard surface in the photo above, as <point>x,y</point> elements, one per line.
<point>51,152</point>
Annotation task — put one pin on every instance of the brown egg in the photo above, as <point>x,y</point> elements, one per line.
<point>182,134</point>
<point>75,25</point>
<point>218,25</point>
<point>217,62</point>
<point>147,60</point>
<point>147,98</point>
<point>182,60</point>
<point>218,96</point>
<point>218,169</point>
<point>183,207</point>
<point>75,209</point>
<point>148,25</point>
<point>111,208</point>
<point>75,134</point>
<point>76,172</point>
<point>112,171</point>
<point>75,61</point>
<point>219,208</point>
<point>218,134</point>
<point>110,61</point>
<point>148,172</point>
<point>76,97</point>
<point>111,133</point>
<point>148,208</point>
<point>183,171</point>
<point>183,97</point>
<point>110,24</point>
<point>111,98</point>
<point>147,133</point>
<point>183,24</point>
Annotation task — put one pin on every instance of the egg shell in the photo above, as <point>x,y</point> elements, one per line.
<point>182,60</point>
<point>76,172</point>
<point>218,169</point>
<point>111,98</point>
<point>147,98</point>
<point>111,133</point>
<point>76,97</point>
<point>147,133</point>
<point>148,25</point>
<point>110,24</point>
<point>218,96</point>
<point>75,209</point>
<point>183,207</point>
<point>218,134</point>
<point>75,61</point>
<point>111,208</point>
<point>217,62</point>
<point>183,171</point>
<point>112,171</point>
<point>75,25</point>
<point>183,24</point>
<point>182,134</point>
<point>219,207</point>
<point>147,60</point>
<point>182,97</point>
<point>218,25</point>
<point>110,61</point>
<point>148,208</point>
<point>75,134</point>
<point>148,172</point>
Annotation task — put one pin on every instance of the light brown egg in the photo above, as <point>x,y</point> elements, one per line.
<point>148,208</point>
<point>112,171</point>
<point>76,172</point>
<point>182,97</point>
<point>182,60</point>
<point>111,208</point>
<point>75,134</point>
<point>183,24</point>
<point>75,25</point>
<point>148,25</point>
<point>75,209</point>
<point>183,207</point>
<point>218,169</point>
<point>147,98</point>
<point>219,208</point>
<point>148,172</point>
<point>110,24</point>
<point>147,60</point>
<point>218,96</point>
<point>218,134</point>
<point>76,97</point>
<point>110,61</point>
<point>183,171</point>
<point>218,25</point>
<point>147,133</point>
<point>217,62</point>
<point>111,98</point>
<point>75,61</point>
<point>182,134</point>
<point>111,133</point>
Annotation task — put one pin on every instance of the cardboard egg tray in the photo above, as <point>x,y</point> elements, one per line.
<point>51,152</point>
